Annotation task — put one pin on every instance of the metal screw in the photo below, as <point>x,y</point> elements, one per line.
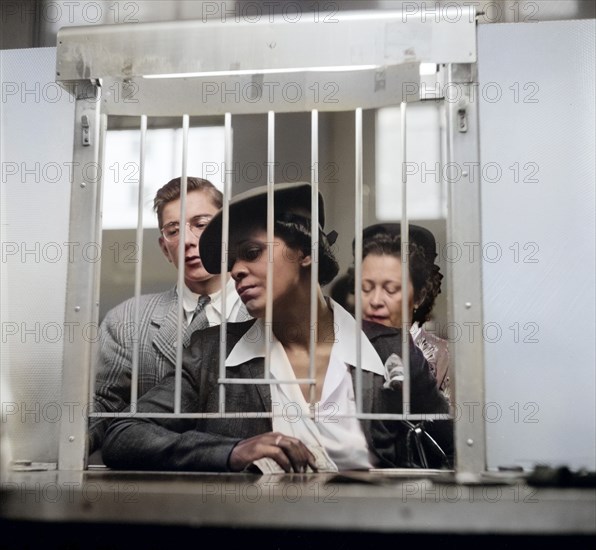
<point>464,174</point>
<point>468,305</point>
<point>83,185</point>
<point>470,442</point>
<point>71,438</point>
<point>77,308</point>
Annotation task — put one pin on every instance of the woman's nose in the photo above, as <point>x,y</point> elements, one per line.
<point>238,271</point>
<point>376,298</point>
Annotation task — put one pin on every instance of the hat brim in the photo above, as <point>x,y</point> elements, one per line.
<point>252,205</point>
<point>417,234</point>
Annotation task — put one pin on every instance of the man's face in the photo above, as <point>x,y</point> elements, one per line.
<point>199,210</point>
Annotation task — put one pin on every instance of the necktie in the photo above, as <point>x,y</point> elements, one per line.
<point>199,320</point>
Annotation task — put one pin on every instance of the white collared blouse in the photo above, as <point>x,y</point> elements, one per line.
<point>331,425</point>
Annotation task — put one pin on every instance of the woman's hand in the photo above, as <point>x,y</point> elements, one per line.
<point>290,453</point>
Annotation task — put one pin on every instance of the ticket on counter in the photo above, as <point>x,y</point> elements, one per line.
<point>324,463</point>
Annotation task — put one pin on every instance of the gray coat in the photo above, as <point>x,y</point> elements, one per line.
<point>156,334</point>
<point>205,444</point>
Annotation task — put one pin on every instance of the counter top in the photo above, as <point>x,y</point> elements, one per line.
<point>374,502</point>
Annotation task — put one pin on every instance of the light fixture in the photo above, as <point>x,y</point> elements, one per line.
<point>244,72</point>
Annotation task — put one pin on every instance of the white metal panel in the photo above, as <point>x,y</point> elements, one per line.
<point>276,43</point>
<point>250,94</point>
<point>36,166</point>
<point>536,92</point>
<point>465,278</point>
<point>82,282</point>
<point>318,61</point>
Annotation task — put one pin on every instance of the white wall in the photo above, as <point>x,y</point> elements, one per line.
<point>540,292</point>
<point>36,149</point>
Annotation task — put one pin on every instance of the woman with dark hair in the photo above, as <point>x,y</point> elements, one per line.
<point>314,423</point>
<point>382,288</point>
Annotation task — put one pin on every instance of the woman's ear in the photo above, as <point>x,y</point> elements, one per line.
<point>306,261</point>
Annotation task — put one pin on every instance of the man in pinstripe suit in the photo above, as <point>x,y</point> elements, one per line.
<point>157,329</point>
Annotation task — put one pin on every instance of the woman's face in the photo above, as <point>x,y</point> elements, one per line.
<point>249,271</point>
<point>382,290</point>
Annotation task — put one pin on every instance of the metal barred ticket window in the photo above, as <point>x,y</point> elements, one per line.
<point>206,68</point>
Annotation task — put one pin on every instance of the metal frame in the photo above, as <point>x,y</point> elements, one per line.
<point>465,298</point>
<point>82,277</point>
<point>377,69</point>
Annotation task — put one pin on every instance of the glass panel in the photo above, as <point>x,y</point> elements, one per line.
<point>164,151</point>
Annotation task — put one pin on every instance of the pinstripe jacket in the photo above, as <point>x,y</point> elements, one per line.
<point>156,334</point>
<point>205,444</point>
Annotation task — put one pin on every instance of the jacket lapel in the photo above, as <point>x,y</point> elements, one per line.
<point>251,369</point>
<point>380,435</point>
<point>165,319</point>
<point>367,400</point>
<point>256,368</point>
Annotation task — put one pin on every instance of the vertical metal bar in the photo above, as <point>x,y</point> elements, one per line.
<point>225,239</point>
<point>181,325</point>
<point>465,278</point>
<point>314,272</point>
<point>82,278</point>
<point>103,132</point>
<point>405,265</point>
<point>134,376</point>
<point>443,147</point>
<point>270,236</point>
<point>358,256</point>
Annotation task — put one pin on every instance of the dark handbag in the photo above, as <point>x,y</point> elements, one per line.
<point>422,450</point>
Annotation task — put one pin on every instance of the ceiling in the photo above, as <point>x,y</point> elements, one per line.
<point>34,23</point>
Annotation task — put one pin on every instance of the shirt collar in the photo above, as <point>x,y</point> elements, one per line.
<point>231,297</point>
<point>252,344</point>
<point>345,342</point>
<point>190,299</point>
